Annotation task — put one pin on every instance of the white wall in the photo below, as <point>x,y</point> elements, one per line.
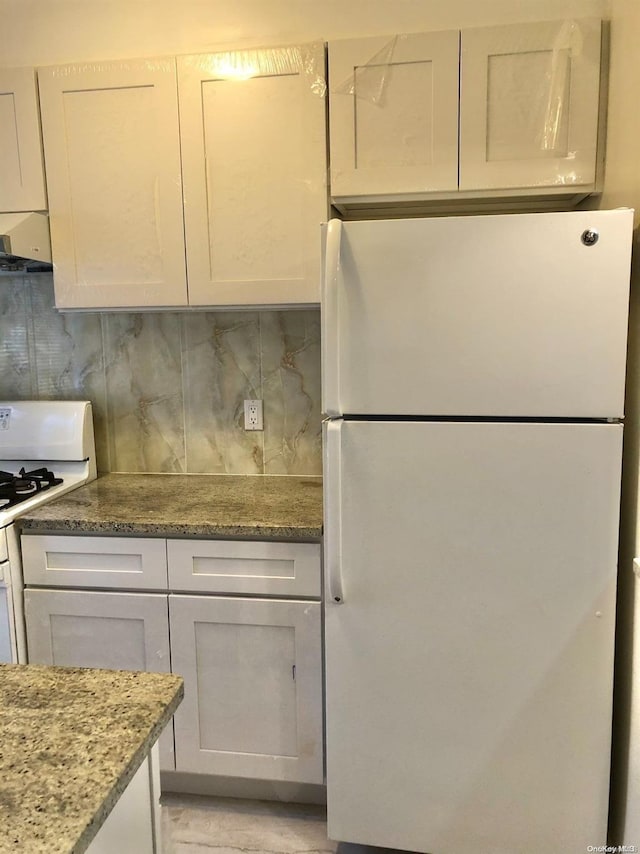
<point>622,187</point>
<point>40,32</point>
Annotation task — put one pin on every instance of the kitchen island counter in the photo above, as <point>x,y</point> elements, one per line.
<point>71,740</point>
<point>231,506</point>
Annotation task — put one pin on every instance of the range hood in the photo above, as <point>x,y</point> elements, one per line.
<point>25,235</point>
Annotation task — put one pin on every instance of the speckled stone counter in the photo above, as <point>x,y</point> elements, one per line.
<point>70,742</point>
<point>252,507</point>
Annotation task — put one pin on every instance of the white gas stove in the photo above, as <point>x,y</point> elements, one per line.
<point>46,449</point>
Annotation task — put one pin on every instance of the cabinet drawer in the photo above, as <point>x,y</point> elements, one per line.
<point>121,562</point>
<point>217,566</point>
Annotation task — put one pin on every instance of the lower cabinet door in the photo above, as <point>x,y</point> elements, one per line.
<point>115,631</point>
<point>252,672</point>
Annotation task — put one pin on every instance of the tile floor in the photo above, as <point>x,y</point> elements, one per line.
<point>198,825</point>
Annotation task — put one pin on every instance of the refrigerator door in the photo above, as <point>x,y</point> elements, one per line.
<point>490,315</point>
<point>470,659</point>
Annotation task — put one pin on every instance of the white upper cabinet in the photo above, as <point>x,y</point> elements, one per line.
<point>529,104</point>
<point>252,130</point>
<point>250,146</point>
<point>21,170</point>
<point>115,197</point>
<point>394,114</point>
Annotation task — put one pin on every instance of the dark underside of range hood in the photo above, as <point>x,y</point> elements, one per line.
<point>24,242</point>
<point>15,264</point>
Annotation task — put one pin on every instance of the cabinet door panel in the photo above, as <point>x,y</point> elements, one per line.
<point>113,165</point>
<point>112,562</point>
<point>253,687</point>
<point>254,160</point>
<point>529,105</point>
<point>215,566</point>
<point>115,631</point>
<point>394,114</point>
<point>21,172</point>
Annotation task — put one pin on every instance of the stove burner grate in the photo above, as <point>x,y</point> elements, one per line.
<point>16,488</point>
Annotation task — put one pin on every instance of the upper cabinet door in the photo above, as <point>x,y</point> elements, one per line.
<point>21,172</point>
<point>394,114</point>
<point>115,198</point>
<point>529,105</point>
<point>254,167</point>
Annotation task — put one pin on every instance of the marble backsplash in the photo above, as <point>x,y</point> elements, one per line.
<point>168,387</point>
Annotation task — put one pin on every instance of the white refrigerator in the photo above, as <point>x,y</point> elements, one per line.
<point>473,387</point>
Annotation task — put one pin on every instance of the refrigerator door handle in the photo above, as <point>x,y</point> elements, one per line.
<point>330,340</point>
<point>333,511</point>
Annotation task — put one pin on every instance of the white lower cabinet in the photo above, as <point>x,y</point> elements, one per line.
<point>252,665</point>
<point>133,826</point>
<point>115,631</point>
<point>253,689</point>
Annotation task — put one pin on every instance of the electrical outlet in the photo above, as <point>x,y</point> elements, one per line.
<point>253,415</point>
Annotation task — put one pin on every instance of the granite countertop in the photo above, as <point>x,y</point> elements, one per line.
<point>71,739</point>
<point>245,506</point>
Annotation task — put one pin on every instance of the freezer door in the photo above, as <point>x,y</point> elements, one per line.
<point>489,315</point>
<point>469,661</point>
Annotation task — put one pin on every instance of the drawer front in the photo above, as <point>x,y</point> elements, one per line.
<point>250,568</point>
<point>125,563</point>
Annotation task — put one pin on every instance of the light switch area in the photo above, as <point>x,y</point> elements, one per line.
<point>253,415</point>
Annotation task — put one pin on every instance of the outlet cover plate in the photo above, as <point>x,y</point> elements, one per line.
<point>253,415</point>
